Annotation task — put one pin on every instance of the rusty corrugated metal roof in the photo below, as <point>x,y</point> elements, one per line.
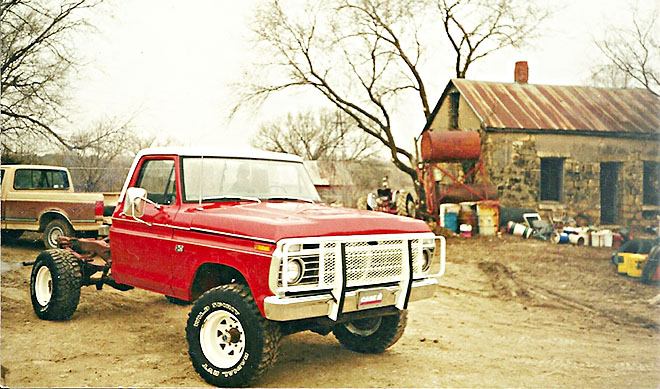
<point>513,106</point>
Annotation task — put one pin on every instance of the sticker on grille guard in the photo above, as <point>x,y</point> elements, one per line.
<point>369,299</point>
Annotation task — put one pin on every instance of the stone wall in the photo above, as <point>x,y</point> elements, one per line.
<point>513,163</point>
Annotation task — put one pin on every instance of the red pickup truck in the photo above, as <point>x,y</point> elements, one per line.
<point>244,237</point>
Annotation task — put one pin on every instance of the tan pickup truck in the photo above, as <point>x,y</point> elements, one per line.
<point>41,198</point>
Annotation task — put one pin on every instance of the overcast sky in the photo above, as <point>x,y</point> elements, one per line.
<point>169,64</point>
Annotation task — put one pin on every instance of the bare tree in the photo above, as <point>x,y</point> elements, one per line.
<point>358,54</point>
<point>36,59</point>
<point>325,135</point>
<point>609,76</point>
<point>633,55</point>
<point>95,151</point>
<point>477,28</point>
<point>102,155</point>
<point>363,56</point>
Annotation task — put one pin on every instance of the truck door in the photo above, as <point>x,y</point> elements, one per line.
<point>142,250</point>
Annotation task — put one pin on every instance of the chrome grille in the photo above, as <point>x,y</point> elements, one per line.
<point>373,262</point>
<point>416,257</point>
<point>329,255</point>
<point>311,271</point>
<point>370,260</point>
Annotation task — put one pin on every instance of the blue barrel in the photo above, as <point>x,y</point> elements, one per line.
<point>559,237</point>
<point>451,221</point>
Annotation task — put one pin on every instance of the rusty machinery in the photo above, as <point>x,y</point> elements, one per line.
<point>440,147</point>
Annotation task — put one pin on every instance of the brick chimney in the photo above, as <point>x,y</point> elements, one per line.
<point>521,73</point>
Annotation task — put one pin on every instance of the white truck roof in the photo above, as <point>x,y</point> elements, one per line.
<point>206,152</point>
<point>36,167</point>
<point>227,153</point>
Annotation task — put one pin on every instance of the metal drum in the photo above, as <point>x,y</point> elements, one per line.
<point>450,146</point>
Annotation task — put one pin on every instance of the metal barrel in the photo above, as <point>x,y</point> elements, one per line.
<point>450,146</point>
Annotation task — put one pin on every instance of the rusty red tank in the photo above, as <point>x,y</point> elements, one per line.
<point>450,146</point>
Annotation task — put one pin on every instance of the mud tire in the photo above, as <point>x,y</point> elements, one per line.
<point>651,266</point>
<point>260,336</point>
<point>411,207</point>
<point>401,199</point>
<point>371,335</point>
<point>55,284</point>
<point>54,229</point>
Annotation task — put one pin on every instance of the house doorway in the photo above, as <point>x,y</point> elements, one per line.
<point>609,192</point>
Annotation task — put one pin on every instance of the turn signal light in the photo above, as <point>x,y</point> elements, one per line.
<point>262,247</point>
<point>98,208</point>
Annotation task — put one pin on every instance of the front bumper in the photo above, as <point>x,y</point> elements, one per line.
<point>293,308</point>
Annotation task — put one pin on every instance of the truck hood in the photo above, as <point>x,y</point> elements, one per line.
<point>275,220</point>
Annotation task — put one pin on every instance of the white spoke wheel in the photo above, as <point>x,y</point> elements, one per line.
<point>43,286</point>
<point>54,234</point>
<point>53,230</point>
<point>55,284</point>
<point>223,339</point>
<point>371,335</point>
<point>229,342</point>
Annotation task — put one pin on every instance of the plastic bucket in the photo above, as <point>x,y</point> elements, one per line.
<point>596,239</point>
<point>578,239</point>
<point>447,209</point>
<point>559,238</point>
<point>636,264</point>
<point>466,230</point>
<point>451,221</point>
<point>606,238</point>
<point>520,230</point>
<point>621,263</point>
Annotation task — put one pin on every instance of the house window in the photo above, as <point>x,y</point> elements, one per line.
<point>552,179</point>
<point>453,111</point>
<point>651,183</point>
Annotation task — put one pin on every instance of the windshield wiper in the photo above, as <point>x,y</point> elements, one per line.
<point>231,198</point>
<point>290,198</point>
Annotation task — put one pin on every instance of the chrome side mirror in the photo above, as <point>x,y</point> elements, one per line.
<point>134,203</point>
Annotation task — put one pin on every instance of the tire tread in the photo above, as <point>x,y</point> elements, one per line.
<point>401,203</point>
<point>271,331</point>
<point>67,275</point>
<point>378,342</point>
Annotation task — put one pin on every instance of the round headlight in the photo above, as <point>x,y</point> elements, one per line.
<point>426,260</point>
<point>293,271</point>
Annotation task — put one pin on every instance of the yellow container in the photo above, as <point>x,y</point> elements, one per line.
<point>626,261</point>
<point>621,263</point>
<point>636,264</point>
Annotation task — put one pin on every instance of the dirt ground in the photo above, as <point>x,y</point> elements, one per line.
<point>509,313</point>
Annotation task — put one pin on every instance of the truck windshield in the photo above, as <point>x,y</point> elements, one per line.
<point>221,179</point>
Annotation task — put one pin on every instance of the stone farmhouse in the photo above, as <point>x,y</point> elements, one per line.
<point>568,150</point>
